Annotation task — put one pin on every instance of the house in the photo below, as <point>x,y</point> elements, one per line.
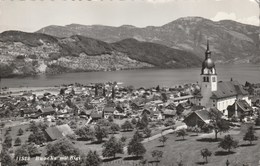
<point>95,116</point>
<point>197,118</point>
<point>27,112</point>
<point>119,115</point>
<point>46,111</point>
<point>85,113</point>
<point>168,113</point>
<point>57,132</point>
<point>240,109</point>
<point>108,111</point>
<point>53,133</point>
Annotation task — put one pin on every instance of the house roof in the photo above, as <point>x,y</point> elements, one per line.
<point>95,115</point>
<point>244,105</point>
<point>86,112</point>
<point>59,131</point>
<point>54,133</point>
<point>169,112</point>
<point>47,109</point>
<point>196,107</point>
<point>203,114</point>
<point>171,106</point>
<point>228,89</point>
<point>109,109</point>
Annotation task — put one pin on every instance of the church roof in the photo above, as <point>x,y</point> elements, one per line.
<point>228,89</point>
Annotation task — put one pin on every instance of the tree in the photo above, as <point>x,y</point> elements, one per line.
<point>143,122</point>
<point>6,159</point>
<point>147,132</point>
<point>228,142</point>
<point>123,139</point>
<point>110,118</point>
<point>72,91</point>
<point>114,127</point>
<point>20,131</point>
<point>135,147</point>
<point>33,127</point>
<point>164,97</point>
<point>113,92</point>
<point>8,142</point>
<point>157,88</point>
<point>196,129</point>
<point>93,159</point>
<point>169,122</point>
<point>112,147</point>
<point>157,155</point>
<point>96,90</point>
<point>38,138</point>
<point>217,123</point>
<point>17,142</point>
<point>205,153</point>
<point>62,91</point>
<point>85,133</point>
<point>250,135</point>
<point>104,92</point>
<point>21,152</point>
<point>63,147</point>
<point>133,121</point>
<point>127,126</point>
<point>163,139</point>
<point>103,122</point>
<point>100,133</point>
<point>73,124</point>
<point>257,121</point>
<point>143,161</point>
<point>59,122</point>
<point>33,150</point>
<point>181,133</point>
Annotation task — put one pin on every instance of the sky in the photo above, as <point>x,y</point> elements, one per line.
<point>32,15</point>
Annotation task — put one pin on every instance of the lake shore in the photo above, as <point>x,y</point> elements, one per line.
<point>23,90</point>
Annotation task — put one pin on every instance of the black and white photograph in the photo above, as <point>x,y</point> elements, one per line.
<point>129,82</point>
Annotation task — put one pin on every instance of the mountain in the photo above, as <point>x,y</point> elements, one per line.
<point>24,54</point>
<point>230,41</point>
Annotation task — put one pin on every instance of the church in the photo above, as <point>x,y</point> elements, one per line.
<point>216,93</point>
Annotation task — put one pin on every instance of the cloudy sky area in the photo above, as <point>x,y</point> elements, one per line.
<point>30,16</point>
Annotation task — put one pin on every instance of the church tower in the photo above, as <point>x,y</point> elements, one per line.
<point>208,78</point>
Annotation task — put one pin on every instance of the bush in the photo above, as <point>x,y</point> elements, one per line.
<point>17,142</point>
<point>206,128</point>
<point>169,122</point>
<point>234,119</point>
<point>20,131</point>
<point>257,121</point>
<point>20,57</point>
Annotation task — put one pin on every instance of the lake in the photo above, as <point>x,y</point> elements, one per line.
<point>141,77</point>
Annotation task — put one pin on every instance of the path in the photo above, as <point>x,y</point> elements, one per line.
<point>169,131</point>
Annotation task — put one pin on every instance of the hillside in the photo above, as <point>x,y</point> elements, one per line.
<point>230,41</point>
<point>26,54</point>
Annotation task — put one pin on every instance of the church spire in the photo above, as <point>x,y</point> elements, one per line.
<point>208,52</point>
<point>207,44</point>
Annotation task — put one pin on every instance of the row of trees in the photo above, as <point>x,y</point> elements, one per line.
<point>228,143</point>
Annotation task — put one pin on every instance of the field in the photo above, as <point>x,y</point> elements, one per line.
<point>175,150</point>
<point>188,150</point>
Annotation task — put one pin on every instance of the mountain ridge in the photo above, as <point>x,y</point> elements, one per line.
<point>26,54</point>
<point>230,41</point>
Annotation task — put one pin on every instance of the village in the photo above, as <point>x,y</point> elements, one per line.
<point>111,124</point>
<point>75,110</point>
